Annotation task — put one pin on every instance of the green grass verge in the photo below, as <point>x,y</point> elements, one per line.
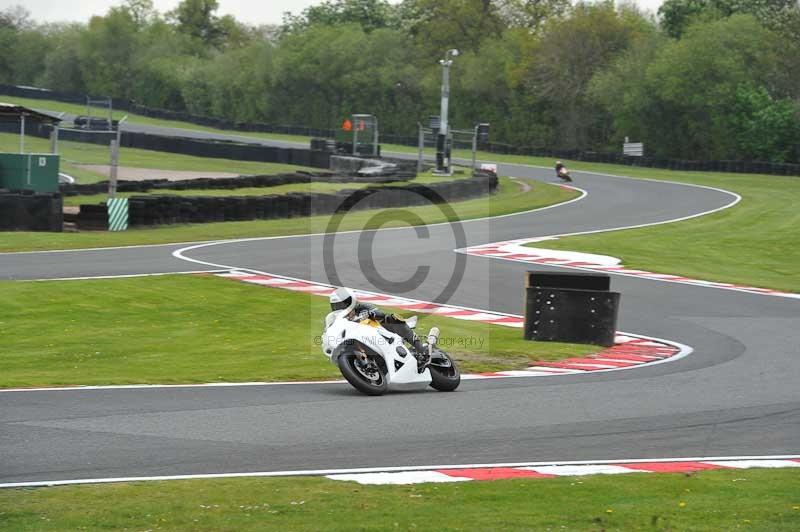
<point>509,199</point>
<point>73,153</point>
<point>190,329</point>
<point>756,499</point>
<point>754,243</point>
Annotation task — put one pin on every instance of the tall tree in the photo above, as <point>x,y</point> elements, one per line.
<point>368,14</point>
<point>531,14</point>
<point>782,16</point>
<point>196,19</point>
<point>559,65</point>
<point>62,64</point>
<point>684,97</point>
<point>107,52</point>
<point>438,25</point>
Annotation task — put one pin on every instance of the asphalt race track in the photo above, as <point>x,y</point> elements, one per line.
<point>737,394</point>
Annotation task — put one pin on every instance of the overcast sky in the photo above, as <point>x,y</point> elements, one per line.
<point>250,11</point>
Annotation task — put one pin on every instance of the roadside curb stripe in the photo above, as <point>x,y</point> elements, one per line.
<point>515,250</point>
<point>628,352</point>
<point>462,472</point>
<point>558,470</point>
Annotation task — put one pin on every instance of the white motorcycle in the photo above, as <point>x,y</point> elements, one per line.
<point>372,358</point>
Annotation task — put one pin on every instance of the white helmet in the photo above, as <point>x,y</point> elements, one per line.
<point>343,299</point>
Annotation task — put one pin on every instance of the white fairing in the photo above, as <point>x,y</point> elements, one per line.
<point>402,368</point>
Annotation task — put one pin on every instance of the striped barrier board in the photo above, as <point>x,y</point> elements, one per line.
<point>117,214</point>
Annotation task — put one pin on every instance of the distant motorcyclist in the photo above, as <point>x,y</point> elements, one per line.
<point>562,172</point>
<point>344,299</point>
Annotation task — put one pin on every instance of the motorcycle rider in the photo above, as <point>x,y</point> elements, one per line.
<point>561,171</point>
<point>344,299</point>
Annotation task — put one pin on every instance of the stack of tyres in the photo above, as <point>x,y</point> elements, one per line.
<point>27,211</point>
<point>570,307</point>
<point>280,206</point>
<point>93,217</point>
<point>298,204</point>
<point>299,157</point>
<point>320,158</point>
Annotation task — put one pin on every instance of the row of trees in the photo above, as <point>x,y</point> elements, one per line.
<point>705,79</point>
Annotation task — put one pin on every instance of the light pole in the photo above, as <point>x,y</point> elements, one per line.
<point>442,144</point>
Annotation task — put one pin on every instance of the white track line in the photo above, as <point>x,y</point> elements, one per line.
<point>166,386</point>
<point>321,472</point>
<point>126,276</point>
<point>135,246</point>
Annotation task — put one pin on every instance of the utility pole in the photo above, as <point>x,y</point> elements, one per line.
<point>443,147</point>
<point>115,145</point>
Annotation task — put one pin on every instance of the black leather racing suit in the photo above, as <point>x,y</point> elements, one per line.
<point>390,322</point>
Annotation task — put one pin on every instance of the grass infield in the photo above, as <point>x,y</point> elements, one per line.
<point>756,499</point>
<point>195,329</point>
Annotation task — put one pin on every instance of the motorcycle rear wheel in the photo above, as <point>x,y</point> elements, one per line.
<point>368,382</point>
<point>445,375</point>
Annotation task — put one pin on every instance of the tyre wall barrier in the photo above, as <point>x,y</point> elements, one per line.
<point>25,211</point>
<point>171,209</point>
<point>226,183</point>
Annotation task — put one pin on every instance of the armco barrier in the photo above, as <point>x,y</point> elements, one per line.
<point>25,211</point>
<point>165,209</point>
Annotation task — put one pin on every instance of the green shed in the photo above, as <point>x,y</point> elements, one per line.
<point>28,171</point>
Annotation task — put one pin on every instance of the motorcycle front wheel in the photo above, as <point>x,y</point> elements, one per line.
<point>366,376</point>
<point>445,375</point>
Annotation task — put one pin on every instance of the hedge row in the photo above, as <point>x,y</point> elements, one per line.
<point>161,210</point>
<point>227,183</point>
<point>26,211</point>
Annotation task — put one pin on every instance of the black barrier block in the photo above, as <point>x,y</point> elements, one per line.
<point>320,159</point>
<point>280,206</point>
<point>301,157</point>
<point>574,316</point>
<point>575,281</point>
<point>270,154</point>
<point>299,204</point>
<point>283,155</point>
